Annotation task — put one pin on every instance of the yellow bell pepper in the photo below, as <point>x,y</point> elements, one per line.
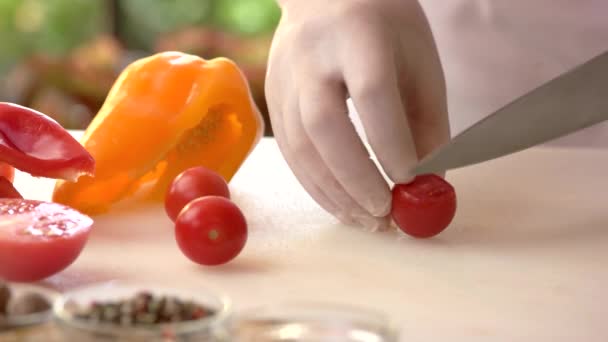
<point>164,114</point>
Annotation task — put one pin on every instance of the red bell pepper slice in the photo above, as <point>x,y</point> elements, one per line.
<point>7,190</point>
<point>34,143</point>
<point>7,171</point>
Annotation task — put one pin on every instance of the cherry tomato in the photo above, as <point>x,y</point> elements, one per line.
<point>191,184</point>
<point>211,230</point>
<point>7,171</point>
<point>424,207</point>
<point>7,190</point>
<point>39,239</point>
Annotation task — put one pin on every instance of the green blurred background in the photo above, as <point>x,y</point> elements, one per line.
<point>62,56</point>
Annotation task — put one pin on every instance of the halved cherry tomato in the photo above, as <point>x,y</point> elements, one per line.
<point>7,171</point>
<point>7,190</point>
<point>211,230</point>
<point>191,184</point>
<point>39,239</point>
<point>424,207</point>
<point>34,143</point>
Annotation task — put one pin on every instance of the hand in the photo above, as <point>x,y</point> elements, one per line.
<point>382,55</point>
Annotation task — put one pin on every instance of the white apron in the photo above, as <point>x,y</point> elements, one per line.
<point>496,50</point>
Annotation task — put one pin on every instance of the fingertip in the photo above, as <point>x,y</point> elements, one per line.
<point>381,207</point>
<point>373,224</point>
<point>344,219</point>
<point>404,179</point>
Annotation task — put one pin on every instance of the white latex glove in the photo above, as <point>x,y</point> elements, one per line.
<point>382,55</point>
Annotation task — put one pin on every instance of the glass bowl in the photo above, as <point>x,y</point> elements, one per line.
<point>33,319</point>
<point>312,322</point>
<point>209,328</point>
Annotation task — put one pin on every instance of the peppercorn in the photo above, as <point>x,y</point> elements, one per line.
<point>5,296</point>
<point>28,303</point>
<point>142,309</point>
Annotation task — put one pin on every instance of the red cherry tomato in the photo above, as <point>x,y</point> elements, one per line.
<point>424,207</point>
<point>7,171</point>
<point>211,230</point>
<point>39,239</point>
<point>7,190</point>
<point>191,184</point>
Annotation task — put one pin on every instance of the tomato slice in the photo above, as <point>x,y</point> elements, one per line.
<point>39,239</point>
<point>34,143</point>
<point>7,171</point>
<point>7,190</point>
<point>424,207</point>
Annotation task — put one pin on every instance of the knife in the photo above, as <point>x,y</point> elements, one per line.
<point>575,100</point>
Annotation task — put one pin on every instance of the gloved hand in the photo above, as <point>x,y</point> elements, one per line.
<point>382,55</point>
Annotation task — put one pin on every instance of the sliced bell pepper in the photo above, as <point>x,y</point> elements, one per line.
<point>164,114</point>
<point>7,171</point>
<point>34,143</point>
<point>7,190</point>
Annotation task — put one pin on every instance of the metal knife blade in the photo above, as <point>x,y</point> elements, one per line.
<point>574,100</point>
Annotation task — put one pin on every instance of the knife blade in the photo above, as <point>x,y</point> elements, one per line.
<point>570,102</point>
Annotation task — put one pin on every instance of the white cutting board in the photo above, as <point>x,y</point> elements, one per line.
<point>526,258</point>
